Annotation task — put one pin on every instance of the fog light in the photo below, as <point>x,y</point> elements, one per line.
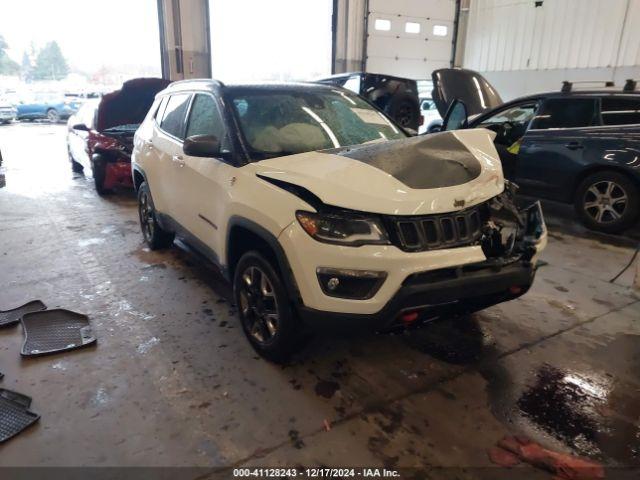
<point>333,283</point>
<point>346,283</point>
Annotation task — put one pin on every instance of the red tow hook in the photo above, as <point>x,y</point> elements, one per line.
<point>408,318</point>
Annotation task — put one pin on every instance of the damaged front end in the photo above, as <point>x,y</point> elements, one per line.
<point>510,233</point>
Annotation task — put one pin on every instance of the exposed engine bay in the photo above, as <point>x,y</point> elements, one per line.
<point>510,233</point>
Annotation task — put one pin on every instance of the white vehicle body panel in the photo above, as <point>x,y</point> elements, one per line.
<point>343,182</point>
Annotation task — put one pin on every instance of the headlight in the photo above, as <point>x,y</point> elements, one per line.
<point>343,229</point>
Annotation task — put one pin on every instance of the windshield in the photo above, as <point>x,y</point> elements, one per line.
<point>276,122</point>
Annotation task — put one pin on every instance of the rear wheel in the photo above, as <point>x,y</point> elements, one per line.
<point>264,307</point>
<point>154,236</point>
<point>53,116</point>
<point>404,110</point>
<point>608,202</point>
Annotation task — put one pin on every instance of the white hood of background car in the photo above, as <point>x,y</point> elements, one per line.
<point>353,178</point>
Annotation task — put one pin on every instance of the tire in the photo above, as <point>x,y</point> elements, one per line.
<point>53,116</point>
<point>607,201</point>
<point>404,110</point>
<point>154,236</point>
<point>264,307</point>
<point>75,166</point>
<point>99,170</point>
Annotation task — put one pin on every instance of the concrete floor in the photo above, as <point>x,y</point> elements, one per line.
<point>173,382</point>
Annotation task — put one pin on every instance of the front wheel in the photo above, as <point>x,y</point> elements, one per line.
<point>608,202</point>
<point>264,307</point>
<point>154,236</point>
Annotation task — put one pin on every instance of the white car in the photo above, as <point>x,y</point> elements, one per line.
<point>8,112</point>
<point>319,208</point>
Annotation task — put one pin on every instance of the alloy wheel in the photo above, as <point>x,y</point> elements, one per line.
<point>53,116</point>
<point>258,305</point>
<point>605,201</point>
<point>146,217</point>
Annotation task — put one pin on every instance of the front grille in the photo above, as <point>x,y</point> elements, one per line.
<point>432,232</point>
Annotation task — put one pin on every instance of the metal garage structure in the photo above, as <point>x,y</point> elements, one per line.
<point>515,44</point>
<point>406,37</point>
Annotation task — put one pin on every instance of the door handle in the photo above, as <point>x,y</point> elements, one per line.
<point>178,160</point>
<point>574,145</point>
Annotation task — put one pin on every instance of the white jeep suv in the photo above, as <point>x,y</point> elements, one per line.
<point>320,209</point>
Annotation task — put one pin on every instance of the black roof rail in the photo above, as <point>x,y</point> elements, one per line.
<point>630,85</point>
<point>568,86</point>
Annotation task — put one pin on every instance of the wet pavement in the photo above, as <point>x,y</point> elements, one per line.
<point>173,382</point>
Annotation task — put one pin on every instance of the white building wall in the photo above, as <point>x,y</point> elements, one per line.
<point>419,38</point>
<point>522,48</point>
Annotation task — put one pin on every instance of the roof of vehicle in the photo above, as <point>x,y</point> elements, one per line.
<point>573,94</point>
<point>210,84</point>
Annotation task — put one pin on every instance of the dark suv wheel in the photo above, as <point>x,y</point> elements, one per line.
<point>607,201</point>
<point>264,307</point>
<point>154,236</point>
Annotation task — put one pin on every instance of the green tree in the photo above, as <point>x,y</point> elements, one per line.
<point>7,66</point>
<point>26,67</point>
<point>50,63</point>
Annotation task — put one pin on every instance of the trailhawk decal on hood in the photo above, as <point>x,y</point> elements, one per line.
<point>452,179</point>
<point>434,161</point>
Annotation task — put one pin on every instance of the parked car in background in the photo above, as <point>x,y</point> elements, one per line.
<point>572,146</point>
<point>319,208</point>
<point>8,111</point>
<point>396,96</point>
<point>52,107</point>
<point>100,134</point>
<point>432,121</point>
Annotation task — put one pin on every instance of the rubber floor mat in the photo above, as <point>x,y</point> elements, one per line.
<point>56,330</point>
<point>14,414</point>
<point>11,317</point>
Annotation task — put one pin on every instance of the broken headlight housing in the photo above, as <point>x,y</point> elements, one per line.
<point>343,228</point>
<point>510,231</point>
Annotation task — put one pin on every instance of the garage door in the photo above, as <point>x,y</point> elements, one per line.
<point>409,38</point>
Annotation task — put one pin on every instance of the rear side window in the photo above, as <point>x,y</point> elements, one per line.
<point>205,118</point>
<point>566,113</point>
<point>620,111</point>
<point>174,115</point>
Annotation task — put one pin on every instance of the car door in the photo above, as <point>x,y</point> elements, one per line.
<point>78,138</point>
<point>166,148</point>
<point>552,150</point>
<point>510,124</point>
<point>202,183</point>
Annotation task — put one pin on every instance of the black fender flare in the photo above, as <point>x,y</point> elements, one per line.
<point>137,169</point>
<point>271,240</point>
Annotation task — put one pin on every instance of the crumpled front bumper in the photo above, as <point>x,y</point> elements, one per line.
<point>429,284</point>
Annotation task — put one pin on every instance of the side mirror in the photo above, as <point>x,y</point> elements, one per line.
<point>201,146</point>
<point>456,116</point>
<point>81,127</point>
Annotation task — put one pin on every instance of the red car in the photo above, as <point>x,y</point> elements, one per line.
<point>100,134</point>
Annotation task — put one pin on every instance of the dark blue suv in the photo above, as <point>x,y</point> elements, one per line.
<point>572,146</point>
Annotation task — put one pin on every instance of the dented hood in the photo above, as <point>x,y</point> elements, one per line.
<point>438,173</point>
